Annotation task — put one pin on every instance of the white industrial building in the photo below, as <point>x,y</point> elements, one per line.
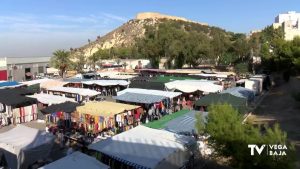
<point>22,68</point>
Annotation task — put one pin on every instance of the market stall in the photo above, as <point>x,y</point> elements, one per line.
<point>76,160</point>
<point>16,108</point>
<point>241,92</point>
<point>131,149</point>
<point>190,86</point>
<point>22,146</point>
<point>60,114</point>
<point>155,106</point>
<point>98,116</point>
<point>49,99</point>
<point>237,102</point>
<point>78,93</point>
<point>168,94</point>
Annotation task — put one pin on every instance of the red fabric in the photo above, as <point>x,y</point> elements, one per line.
<point>3,74</point>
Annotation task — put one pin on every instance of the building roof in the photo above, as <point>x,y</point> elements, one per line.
<point>22,60</point>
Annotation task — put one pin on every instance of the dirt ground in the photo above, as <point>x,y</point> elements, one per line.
<point>280,106</point>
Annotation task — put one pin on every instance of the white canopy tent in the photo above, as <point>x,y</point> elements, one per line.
<point>107,82</point>
<point>34,82</point>
<point>73,90</point>
<point>51,99</point>
<point>189,86</point>
<point>76,160</point>
<point>152,92</point>
<point>22,146</point>
<point>143,147</point>
<point>211,75</point>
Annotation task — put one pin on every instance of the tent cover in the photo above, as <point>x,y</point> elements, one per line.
<point>241,92</point>
<point>67,107</point>
<point>76,160</point>
<point>104,108</point>
<point>238,103</point>
<point>15,98</point>
<point>106,82</point>
<point>189,86</point>
<point>22,146</point>
<point>12,84</point>
<point>139,98</point>
<point>146,148</point>
<point>73,90</point>
<point>151,92</point>
<point>51,99</point>
<point>147,85</point>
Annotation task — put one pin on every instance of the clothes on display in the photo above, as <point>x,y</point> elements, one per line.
<point>99,116</point>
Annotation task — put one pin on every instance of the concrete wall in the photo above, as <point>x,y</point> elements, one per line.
<point>16,72</point>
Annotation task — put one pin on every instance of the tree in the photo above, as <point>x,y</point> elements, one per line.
<point>230,138</point>
<point>79,61</point>
<point>61,60</point>
<point>94,58</point>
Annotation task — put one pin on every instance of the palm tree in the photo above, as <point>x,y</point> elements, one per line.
<point>94,58</point>
<point>61,61</point>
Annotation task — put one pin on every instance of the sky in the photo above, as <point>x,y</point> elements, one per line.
<point>39,27</point>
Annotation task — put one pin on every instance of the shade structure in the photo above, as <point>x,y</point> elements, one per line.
<point>139,98</point>
<point>22,146</point>
<point>16,98</point>
<point>151,92</point>
<point>67,107</point>
<point>76,160</point>
<point>51,99</point>
<point>184,123</point>
<point>147,85</point>
<point>238,103</point>
<point>34,82</point>
<point>104,108</point>
<point>106,82</point>
<point>52,83</point>
<point>189,86</point>
<point>73,90</point>
<point>10,84</point>
<point>241,92</point>
<point>143,147</point>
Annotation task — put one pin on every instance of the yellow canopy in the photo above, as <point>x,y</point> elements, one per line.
<point>104,108</point>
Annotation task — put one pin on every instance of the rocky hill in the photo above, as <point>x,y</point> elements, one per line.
<point>126,34</point>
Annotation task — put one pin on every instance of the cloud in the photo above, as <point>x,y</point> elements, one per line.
<point>78,19</point>
<point>115,17</point>
<point>33,35</point>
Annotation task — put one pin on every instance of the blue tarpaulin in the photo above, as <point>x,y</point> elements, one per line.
<point>9,84</point>
<point>241,92</point>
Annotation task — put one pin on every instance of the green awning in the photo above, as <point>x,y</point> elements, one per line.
<point>159,124</point>
<point>238,103</point>
<point>166,79</point>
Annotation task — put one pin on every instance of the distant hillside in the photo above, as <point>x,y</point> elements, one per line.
<point>127,34</point>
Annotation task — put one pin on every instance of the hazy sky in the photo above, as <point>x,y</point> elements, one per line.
<point>39,27</point>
